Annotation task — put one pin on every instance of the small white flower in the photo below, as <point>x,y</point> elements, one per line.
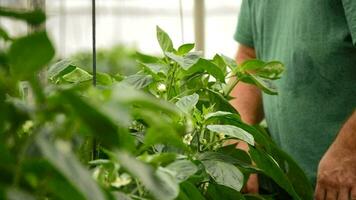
<point>221,136</point>
<point>161,87</point>
<point>188,139</point>
<point>27,126</point>
<point>122,180</point>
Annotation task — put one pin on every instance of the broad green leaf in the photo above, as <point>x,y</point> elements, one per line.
<point>77,76</point>
<point>224,174</point>
<point>219,61</point>
<point>238,154</point>
<point>34,17</point>
<point>251,65</point>
<point>27,55</point>
<point>231,63</point>
<point>271,70</point>
<point>139,81</point>
<point>147,58</point>
<point>295,174</point>
<point>226,158</point>
<point>100,124</point>
<point>222,115</point>
<point>271,169</point>
<point>188,191</point>
<point>130,96</point>
<point>187,103</point>
<point>204,65</point>
<point>163,135</point>
<point>60,68</point>
<point>164,40</point>
<point>183,169</point>
<point>160,183</point>
<point>104,79</point>
<point>156,68</point>
<point>264,84</point>
<point>187,61</point>
<point>185,48</point>
<point>219,192</point>
<point>220,102</point>
<point>66,164</point>
<point>233,131</point>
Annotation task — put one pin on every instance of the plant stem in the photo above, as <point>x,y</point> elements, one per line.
<point>228,89</point>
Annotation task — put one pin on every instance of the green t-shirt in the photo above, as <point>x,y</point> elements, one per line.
<point>315,40</point>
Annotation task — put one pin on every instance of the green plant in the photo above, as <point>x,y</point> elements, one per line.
<point>159,133</point>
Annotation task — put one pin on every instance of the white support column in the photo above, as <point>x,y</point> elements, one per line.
<point>199,24</point>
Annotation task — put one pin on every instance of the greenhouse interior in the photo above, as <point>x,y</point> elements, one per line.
<point>177,100</point>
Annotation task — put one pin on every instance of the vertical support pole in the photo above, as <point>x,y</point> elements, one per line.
<point>94,40</point>
<point>199,24</point>
<point>93,14</point>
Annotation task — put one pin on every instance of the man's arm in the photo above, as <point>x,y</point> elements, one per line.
<point>337,168</point>
<point>248,102</point>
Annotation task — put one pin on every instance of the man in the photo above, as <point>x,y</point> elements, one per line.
<point>313,117</point>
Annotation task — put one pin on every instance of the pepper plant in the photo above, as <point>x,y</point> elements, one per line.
<point>157,134</point>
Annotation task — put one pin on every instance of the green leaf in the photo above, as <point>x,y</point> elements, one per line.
<point>156,68</point>
<point>271,70</point>
<point>163,134</point>
<point>188,191</point>
<point>130,96</point>
<point>271,169</point>
<point>188,103</point>
<point>24,60</point>
<point>187,61</point>
<point>160,183</point>
<point>233,131</point>
<point>34,17</point>
<point>295,174</point>
<point>138,81</point>
<point>100,124</point>
<point>220,62</point>
<point>185,48</point>
<point>164,40</point>
<point>251,65</point>
<point>220,102</point>
<point>147,58</point>
<point>183,169</point>
<point>77,76</point>
<point>66,164</point>
<point>224,174</point>
<point>264,84</point>
<point>231,63</point>
<point>219,192</point>
<point>104,78</point>
<point>204,65</point>
<point>60,68</point>
<point>222,115</point>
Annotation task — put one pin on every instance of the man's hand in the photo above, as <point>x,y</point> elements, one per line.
<point>337,169</point>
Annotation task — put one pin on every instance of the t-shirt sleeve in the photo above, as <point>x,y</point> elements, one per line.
<point>243,33</point>
<point>350,12</point>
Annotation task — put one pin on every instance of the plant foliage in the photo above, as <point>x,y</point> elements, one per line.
<point>157,134</point>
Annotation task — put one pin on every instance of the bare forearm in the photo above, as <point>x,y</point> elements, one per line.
<point>248,98</point>
<point>347,134</point>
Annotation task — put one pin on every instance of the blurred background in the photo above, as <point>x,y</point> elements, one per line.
<point>130,24</point>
